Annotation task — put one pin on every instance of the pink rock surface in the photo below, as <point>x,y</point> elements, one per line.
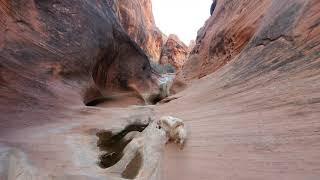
<point>254,114</point>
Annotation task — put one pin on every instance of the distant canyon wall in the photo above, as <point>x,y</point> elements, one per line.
<point>137,19</point>
<point>174,52</point>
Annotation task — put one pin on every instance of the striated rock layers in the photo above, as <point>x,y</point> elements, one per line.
<point>255,114</point>
<point>236,26</point>
<point>174,52</point>
<point>137,19</point>
<point>54,54</point>
<point>56,57</point>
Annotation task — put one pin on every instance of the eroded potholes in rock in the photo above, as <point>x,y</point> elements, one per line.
<point>113,144</point>
<point>136,151</point>
<point>133,167</point>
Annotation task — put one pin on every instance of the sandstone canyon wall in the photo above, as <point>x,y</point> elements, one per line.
<point>56,57</point>
<point>237,25</point>
<point>253,114</point>
<point>174,52</point>
<point>137,19</point>
<point>69,51</point>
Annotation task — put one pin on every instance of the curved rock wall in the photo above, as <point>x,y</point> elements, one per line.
<point>137,19</point>
<point>54,53</point>
<point>255,114</point>
<point>225,34</point>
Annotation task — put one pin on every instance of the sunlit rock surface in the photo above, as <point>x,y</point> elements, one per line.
<point>137,19</point>
<point>174,52</point>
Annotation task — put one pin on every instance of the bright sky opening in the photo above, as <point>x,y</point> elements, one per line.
<point>181,17</point>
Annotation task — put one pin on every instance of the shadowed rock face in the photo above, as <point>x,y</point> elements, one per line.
<point>137,19</point>
<point>57,53</point>
<point>174,52</point>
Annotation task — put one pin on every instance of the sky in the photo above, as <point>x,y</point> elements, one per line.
<point>181,17</point>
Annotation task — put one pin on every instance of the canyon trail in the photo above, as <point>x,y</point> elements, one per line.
<point>74,75</point>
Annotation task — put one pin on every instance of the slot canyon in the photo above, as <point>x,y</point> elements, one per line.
<point>83,84</point>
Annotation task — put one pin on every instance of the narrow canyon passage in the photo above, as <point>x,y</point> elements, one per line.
<point>81,92</point>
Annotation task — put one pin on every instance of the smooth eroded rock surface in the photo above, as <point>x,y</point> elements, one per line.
<point>226,34</point>
<point>253,115</point>
<point>256,115</point>
<point>57,54</point>
<point>137,19</point>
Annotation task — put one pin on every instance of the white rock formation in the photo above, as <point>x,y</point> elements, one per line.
<point>149,144</point>
<point>174,128</point>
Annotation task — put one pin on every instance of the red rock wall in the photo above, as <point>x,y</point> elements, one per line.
<point>255,117</point>
<point>255,114</point>
<point>225,35</point>
<point>53,52</point>
<point>237,25</point>
<point>174,52</point>
<point>137,19</point>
